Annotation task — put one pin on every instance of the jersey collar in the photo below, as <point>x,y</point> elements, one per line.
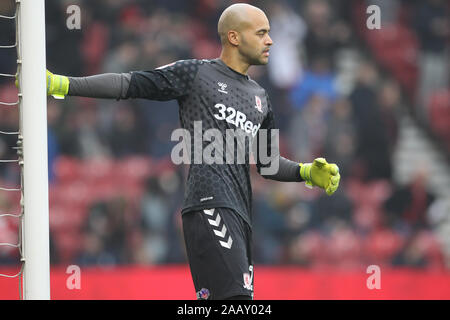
<point>231,72</point>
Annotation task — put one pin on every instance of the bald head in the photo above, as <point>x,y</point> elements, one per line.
<point>244,33</point>
<point>237,17</point>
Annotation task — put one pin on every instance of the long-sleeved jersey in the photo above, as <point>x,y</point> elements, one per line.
<point>220,105</point>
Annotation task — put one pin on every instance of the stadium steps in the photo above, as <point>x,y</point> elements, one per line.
<point>415,150</point>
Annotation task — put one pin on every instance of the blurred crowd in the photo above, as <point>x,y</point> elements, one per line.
<point>115,196</point>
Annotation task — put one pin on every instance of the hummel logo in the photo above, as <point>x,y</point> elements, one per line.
<point>222,86</point>
<point>216,222</point>
<point>209,212</point>
<point>221,233</point>
<point>227,244</point>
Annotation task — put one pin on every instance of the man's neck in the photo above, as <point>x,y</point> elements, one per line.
<point>234,63</point>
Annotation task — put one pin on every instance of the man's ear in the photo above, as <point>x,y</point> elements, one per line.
<point>233,37</point>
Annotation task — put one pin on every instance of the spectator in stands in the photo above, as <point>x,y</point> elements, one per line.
<point>269,232</point>
<point>128,132</point>
<point>287,31</point>
<point>105,234</point>
<point>389,99</point>
<point>341,137</point>
<point>62,42</point>
<point>406,209</point>
<point>422,250</point>
<point>316,80</point>
<point>432,27</point>
<point>329,213</point>
<point>309,123</point>
<point>373,142</point>
<point>155,215</point>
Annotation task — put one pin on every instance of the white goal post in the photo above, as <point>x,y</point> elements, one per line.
<point>33,130</point>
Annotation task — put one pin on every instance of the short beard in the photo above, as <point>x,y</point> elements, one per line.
<point>251,60</point>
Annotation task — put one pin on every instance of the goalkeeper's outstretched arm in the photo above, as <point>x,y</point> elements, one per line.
<point>172,81</point>
<point>102,86</point>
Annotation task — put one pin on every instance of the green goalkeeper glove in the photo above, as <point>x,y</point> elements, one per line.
<point>57,86</point>
<point>322,174</point>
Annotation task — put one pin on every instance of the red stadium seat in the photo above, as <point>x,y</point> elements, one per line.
<point>67,245</point>
<point>382,245</point>
<point>133,168</point>
<point>367,217</point>
<point>66,217</point>
<point>430,248</point>
<point>75,194</point>
<point>97,169</point>
<point>66,169</point>
<point>368,194</point>
<point>344,249</point>
<point>310,247</point>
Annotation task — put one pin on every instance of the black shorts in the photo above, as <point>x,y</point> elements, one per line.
<point>218,246</point>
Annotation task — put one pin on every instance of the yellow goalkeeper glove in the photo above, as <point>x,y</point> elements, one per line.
<point>322,174</point>
<point>57,86</point>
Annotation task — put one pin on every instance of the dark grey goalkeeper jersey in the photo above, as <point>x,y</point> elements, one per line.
<point>210,92</point>
<point>212,96</point>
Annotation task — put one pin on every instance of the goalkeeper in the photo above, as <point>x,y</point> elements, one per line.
<point>217,205</point>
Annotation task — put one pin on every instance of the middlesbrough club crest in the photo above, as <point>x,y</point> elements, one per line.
<point>248,279</point>
<point>258,105</point>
